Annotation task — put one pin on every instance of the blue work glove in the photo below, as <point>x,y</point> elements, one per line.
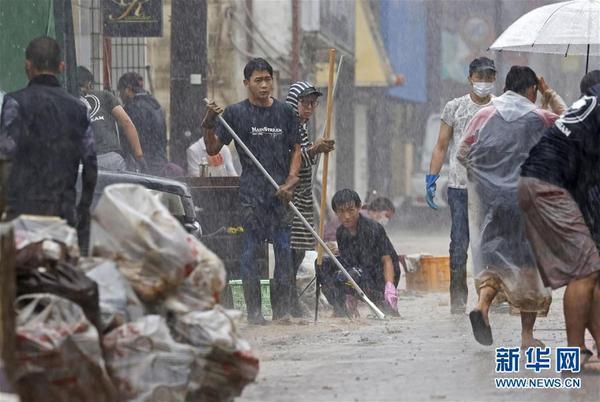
<point>430,188</point>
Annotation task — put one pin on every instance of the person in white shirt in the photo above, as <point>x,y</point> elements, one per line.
<point>218,165</point>
<point>456,115</point>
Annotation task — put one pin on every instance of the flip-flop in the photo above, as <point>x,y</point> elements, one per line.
<point>591,364</point>
<point>481,331</point>
<point>584,356</point>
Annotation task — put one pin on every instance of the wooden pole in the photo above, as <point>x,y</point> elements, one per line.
<point>7,299</point>
<point>326,156</point>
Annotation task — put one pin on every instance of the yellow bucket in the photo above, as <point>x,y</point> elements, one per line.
<point>433,276</point>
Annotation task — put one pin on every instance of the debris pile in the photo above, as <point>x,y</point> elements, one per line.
<point>137,321</point>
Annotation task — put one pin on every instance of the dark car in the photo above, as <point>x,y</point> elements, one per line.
<point>174,194</point>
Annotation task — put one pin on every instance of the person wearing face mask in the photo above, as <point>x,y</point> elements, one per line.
<point>455,116</point>
<point>496,142</point>
<point>381,210</point>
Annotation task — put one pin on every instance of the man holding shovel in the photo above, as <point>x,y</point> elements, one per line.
<point>270,129</point>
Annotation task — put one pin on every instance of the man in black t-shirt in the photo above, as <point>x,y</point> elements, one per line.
<point>367,254</point>
<point>559,193</point>
<point>270,129</point>
<point>149,119</point>
<point>105,113</point>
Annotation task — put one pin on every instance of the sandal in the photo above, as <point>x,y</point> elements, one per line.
<point>481,331</point>
<point>590,365</point>
<point>584,357</point>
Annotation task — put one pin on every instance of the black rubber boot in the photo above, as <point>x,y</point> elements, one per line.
<point>335,298</point>
<point>253,303</point>
<point>280,301</point>
<point>458,290</point>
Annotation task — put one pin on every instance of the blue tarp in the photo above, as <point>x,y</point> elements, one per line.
<point>404,31</point>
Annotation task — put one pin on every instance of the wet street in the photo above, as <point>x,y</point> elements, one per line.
<point>425,355</point>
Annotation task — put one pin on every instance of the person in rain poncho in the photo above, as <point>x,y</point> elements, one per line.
<point>496,142</point>
<point>559,193</point>
<point>303,97</point>
<point>455,116</point>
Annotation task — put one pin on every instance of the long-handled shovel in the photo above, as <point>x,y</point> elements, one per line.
<point>361,294</point>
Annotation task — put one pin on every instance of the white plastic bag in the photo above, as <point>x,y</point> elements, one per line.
<point>152,249</point>
<point>31,229</point>
<point>225,363</point>
<point>211,329</point>
<point>305,282</point>
<point>201,289</point>
<point>146,364</point>
<point>58,352</point>
<point>118,302</point>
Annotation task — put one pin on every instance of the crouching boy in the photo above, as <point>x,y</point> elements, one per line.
<point>367,254</point>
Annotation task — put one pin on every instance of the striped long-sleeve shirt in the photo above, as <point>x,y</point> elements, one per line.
<point>301,237</point>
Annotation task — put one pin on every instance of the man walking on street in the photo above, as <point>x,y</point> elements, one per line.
<point>47,134</point>
<point>457,113</point>
<point>270,129</point>
<point>559,193</point>
<point>495,144</point>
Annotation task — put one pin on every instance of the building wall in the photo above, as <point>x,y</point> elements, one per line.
<point>158,59</point>
<point>235,37</point>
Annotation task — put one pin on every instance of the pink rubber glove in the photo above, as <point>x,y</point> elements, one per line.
<point>390,294</point>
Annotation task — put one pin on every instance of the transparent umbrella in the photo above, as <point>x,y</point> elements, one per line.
<point>567,28</point>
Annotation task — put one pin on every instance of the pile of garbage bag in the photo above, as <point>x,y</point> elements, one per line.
<point>139,320</point>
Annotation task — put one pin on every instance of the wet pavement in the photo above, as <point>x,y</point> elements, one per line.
<point>425,355</point>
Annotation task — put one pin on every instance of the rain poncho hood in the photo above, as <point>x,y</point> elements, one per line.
<point>512,106</point>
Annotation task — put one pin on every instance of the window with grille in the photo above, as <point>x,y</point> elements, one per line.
<point>107,58</point>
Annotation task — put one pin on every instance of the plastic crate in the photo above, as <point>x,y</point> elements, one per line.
<point>433,276</point>
<point>237,294</point>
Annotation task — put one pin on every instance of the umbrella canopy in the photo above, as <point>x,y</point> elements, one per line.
<point>567,28</point>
